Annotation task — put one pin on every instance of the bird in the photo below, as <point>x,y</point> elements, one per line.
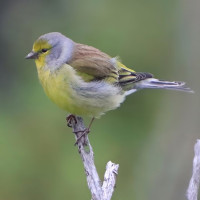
<point>85,81</point>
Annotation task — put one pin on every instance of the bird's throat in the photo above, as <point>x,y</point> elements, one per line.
<point>40,62</point>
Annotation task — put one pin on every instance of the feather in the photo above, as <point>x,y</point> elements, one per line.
<point>91,61</point>
<point>153,83</point>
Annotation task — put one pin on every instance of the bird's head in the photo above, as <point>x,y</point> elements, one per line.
<point>51,50</point>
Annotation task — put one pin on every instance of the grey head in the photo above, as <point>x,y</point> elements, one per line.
<point>59,46</point>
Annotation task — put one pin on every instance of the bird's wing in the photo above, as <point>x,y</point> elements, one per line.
<point>92,64</point>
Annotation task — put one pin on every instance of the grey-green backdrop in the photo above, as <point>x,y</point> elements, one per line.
<point>151,135</point>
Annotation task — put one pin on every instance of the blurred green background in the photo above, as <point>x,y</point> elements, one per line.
<point>151,136</point>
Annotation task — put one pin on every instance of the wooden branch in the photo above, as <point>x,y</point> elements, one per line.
<point>109,180</point>
<point>192,191</point>
<point>85,150</point>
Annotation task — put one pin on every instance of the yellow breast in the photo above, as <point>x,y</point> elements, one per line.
<point>57,88</point>
<point>65,88</point>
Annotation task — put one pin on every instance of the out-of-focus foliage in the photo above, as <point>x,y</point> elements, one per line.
<point>151,136</point>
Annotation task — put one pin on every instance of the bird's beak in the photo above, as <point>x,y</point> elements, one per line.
<point>32,55</point>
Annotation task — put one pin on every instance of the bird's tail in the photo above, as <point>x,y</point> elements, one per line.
<point>160,84</point>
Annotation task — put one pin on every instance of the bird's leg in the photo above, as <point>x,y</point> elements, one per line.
<point>90,124</point>
<point>70,118</point>
<point>84,132</point>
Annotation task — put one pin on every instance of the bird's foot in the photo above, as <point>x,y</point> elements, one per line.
<point>70,120</point>
<point>80,135</point>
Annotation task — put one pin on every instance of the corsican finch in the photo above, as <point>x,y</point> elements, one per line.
<point>85,81</point>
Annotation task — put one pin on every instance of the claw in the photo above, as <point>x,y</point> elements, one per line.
<point>83,134</point>
<point>80,135</point>
<point>70,119</point>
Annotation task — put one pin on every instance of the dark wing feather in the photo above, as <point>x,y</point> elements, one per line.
<point>128,77</point>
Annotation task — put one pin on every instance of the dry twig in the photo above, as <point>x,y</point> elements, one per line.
<point>192,191</point>
<point>98,191</point>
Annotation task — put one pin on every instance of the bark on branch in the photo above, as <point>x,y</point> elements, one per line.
<point>193,188</point>
<point>98,190</point>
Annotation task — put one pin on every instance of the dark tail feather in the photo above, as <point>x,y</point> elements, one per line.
<point>159,84</point>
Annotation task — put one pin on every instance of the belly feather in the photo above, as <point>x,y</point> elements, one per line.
<point>78,97</point>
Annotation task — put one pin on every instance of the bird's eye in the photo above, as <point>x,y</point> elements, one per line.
<point>44,50</point>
